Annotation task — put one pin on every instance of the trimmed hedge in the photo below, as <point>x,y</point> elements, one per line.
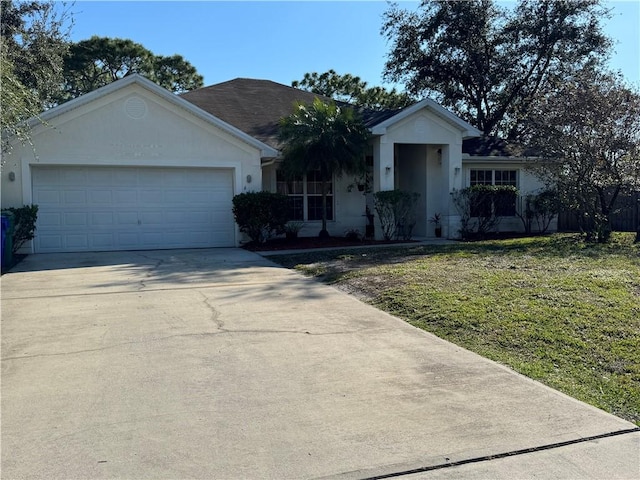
<point>260,214</point>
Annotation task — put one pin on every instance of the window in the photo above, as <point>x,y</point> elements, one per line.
<point>305,196</point>
<point>505,177</point>
<point>494,177</point>
<point>505,206</point>
<point>481,177</point>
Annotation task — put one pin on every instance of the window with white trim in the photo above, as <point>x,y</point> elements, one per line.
<point>498,178</point>
<point>493,177</point>
<point>305,196</point>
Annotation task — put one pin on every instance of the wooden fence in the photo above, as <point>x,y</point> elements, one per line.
<point>624,220</point>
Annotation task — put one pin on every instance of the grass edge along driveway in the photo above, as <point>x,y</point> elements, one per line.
<point>553,308</point>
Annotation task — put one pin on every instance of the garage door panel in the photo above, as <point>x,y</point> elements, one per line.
<point>76,219</point>
<point>202,218</point>
<point>125,177</point>
<point>49,197</point>
<point>126,218</point>
<point>46,177</point>
<point>50,242</point>
<point>127,239</point>
<point>152,239</point>
<point>152,218</point>
<point>73,177</point>
<point>196,218</point>
<point>152,197</point>
<point>99,219</point>
<point>78,241</point>
<point>202,197</point>
<point>100,197</point>
<point>102,240</point>
<point>154,178</point>
<point>49,219</point>
<point>117,208</point>
<point>100,177</point>
<point>74,197</point>
<point>177,197</point>
<point>125,197</point>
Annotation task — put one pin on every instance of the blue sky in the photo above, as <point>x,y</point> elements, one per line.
<point>280,41</point>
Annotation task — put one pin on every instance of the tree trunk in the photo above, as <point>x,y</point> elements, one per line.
<point>637,240</point>
<point>324,233</point>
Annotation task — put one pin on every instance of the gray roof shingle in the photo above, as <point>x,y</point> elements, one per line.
<point>256,106</point>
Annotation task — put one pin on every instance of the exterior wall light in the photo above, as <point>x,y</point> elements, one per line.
<point>12,176</point>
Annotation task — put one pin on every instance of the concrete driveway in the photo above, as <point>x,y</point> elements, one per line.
<point>219,364</point>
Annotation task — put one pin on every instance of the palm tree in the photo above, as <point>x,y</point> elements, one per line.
<point>326,138</point>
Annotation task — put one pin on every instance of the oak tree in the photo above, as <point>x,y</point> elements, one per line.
<point>488,63</point>
<point>588,132</point>
<point>34,41</point>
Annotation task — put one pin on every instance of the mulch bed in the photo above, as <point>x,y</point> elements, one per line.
<point>303,243</point>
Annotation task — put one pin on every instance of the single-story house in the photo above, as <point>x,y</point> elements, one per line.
<point>133,166</point>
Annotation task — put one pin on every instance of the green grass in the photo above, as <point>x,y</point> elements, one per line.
<point>552,308</point>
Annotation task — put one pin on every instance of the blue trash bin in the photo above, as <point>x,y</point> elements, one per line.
<point>7,243</point>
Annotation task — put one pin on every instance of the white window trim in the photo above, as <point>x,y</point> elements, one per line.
<point>493,180</point>
<point>305,200</point>
<point>493,174</point>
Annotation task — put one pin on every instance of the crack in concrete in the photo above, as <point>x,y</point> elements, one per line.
<point>215,314</point>
<point>222,331</point>
<point>159,261</point>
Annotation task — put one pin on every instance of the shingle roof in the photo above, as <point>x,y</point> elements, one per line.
<point>490,146</point>
<point>256,106</point>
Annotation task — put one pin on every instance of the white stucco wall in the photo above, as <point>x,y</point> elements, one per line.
<point>131,126</point>
<point>422,129</point>
<point>101,133</point>
<point>349,206</point>
<point>527,184</point>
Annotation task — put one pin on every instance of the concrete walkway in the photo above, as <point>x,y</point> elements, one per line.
<point>219,364</point>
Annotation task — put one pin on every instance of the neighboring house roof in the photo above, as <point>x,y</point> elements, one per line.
<point>256,107</point>
<point>266,150</point>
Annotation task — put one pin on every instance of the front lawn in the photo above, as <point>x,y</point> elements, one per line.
<point>552,308</point>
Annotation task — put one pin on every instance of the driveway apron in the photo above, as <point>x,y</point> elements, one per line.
<point>219,364</point>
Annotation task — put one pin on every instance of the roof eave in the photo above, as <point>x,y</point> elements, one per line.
<point>265,150</point>
<point>498,158</point>
<point>467,130</point>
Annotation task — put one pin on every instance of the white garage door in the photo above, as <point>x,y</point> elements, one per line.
<point>122,208</point>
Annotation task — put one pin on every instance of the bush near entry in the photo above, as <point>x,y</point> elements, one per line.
<point>260,214</point>
<point>24,224</point>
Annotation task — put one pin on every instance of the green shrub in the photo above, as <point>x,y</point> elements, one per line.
<point>542,207</point>
<point>24,224</point>
<point>397,213</point>
<point>481,207</point>
<point>546,206</point>
<point>260,214</point>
